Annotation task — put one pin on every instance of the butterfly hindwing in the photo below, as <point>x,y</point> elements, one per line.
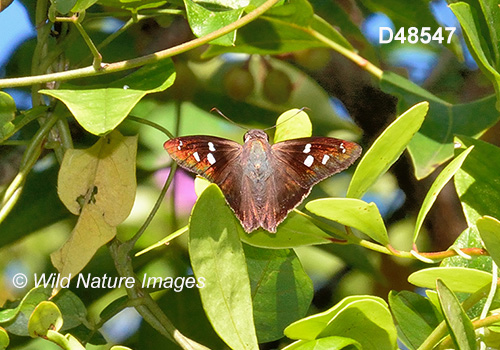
<point>313,159</point>
<point>282,194</point>
<point>207,156</point>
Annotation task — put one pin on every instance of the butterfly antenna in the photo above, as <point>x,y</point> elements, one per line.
<point>229,120</point>
<point>284,121</point>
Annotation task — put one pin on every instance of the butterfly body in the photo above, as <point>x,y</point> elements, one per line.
<point>261,182</point>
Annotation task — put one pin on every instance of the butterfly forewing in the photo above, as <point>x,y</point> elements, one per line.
<point>207,156</point>
<point>313,159</point>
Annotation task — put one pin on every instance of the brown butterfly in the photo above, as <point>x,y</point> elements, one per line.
<point>262,183</point>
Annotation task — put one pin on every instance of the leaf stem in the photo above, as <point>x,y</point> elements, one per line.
<point>351,55</point>
<point>96,63</point>
<point>152,124</point>
<point>11,194</point>
<point>145,12</point>
<point>158,202</point>
<point>145,305</point>
<point>139,61</point>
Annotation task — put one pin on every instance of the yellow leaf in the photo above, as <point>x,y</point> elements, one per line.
<point>98,184</point>
<point>103,174</point>
<point>90,233</point>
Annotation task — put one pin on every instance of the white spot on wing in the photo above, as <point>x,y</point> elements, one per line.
<point>211,147</point>
<point>342,147</point>
<point>180,145</point>
<point>325,159</point>
<point>211,158</point>
<point>309,161</point>
<point>307,149</point>
<point>196,156</point>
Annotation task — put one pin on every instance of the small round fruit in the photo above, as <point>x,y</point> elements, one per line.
<point>277,86</point>
<point>313,59</point>
<point>238,83</point>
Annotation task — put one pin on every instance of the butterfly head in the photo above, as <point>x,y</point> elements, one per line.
<point>255,134</point>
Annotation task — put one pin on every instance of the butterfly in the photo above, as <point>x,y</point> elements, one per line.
<point>261,182</point>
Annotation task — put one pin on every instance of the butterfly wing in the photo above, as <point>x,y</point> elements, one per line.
<point>283,194</point>
<point>298,165</point>
<point>312,159</point>
<point>207,156</point>
<point>218,160</point>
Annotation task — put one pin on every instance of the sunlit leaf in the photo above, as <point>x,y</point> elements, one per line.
<point>454,278</point>
<point>433,144</point>
<point>386,149</point>
<point>203,21</point>
<point>355,213</point>
<point>489,229</point>
<point>475,37</point>
<point>217,256</point>
<point>478,180</point>
<point>4,339</point>
<point>45,316</point>
<point>459,324</point>
<point>292,124</point>
<point>438,184</point>
<point>7,112</point>
<point>101,109</point>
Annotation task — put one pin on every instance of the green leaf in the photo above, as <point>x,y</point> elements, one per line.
<point>198,328</point>
<point>438,184</point>
<point>45,316</point>
<point>327,343</point>
<point>355,213</point>
<point>217,255</point>
<point>386,149</point>
<point>101,109</point>
<point>367,321</point>
<point>204,21</point>
<point>7,113</point>
<point>476,41</point>
<point>133,5</point>
<point>415,317</point>
<point>311,327</point>
<point>292,124</point>
<point>469,238</point>
<point>15,321</point>
<point>458,279</point>
<point>489,229</point>
<point>478,180</point>
<point>98,184</point>
<point>459,325</point>
<point>82,5</point>
<point>433,144</point>
<point>281,290</point>
<point>4,339</point>
<point>491,11</point>
<point>72,309</point>
<point>295,231</point>
<point>282,29</point>
<point>63,6</point>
